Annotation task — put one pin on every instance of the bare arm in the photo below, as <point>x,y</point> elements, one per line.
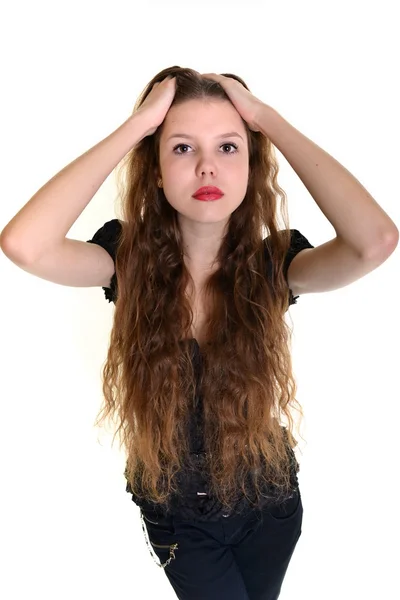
<point>43,223</point>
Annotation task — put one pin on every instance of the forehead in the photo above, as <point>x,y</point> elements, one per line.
<point>197,116</point>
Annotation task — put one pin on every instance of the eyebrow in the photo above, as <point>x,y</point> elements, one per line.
<point>189,137</point>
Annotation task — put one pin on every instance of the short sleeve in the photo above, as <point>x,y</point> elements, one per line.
<point>108,237</point>
<point>298,243</point>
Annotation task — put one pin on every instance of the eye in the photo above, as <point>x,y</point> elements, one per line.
<point>223,145</point>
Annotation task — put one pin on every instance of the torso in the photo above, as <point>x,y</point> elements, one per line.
<point>198,326</point>
<point>199,307</point>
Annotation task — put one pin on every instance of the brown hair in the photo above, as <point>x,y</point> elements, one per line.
<point>246,382</point>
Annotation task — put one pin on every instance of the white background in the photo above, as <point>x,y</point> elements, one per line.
<point>71,73</point>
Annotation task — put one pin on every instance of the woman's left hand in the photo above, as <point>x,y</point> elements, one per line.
<point>247,105</point>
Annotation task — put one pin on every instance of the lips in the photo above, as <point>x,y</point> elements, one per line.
<point>208,191</point>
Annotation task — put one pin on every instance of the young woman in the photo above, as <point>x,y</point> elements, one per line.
<point>199,369</point>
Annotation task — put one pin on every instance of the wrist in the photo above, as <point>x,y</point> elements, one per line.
<point>265,119</point>
<point>139,123</point>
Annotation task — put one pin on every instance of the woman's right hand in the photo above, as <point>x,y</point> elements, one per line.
<point>157,103</point>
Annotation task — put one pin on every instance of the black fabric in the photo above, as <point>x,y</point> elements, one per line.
<point>245,559</point>
<point>195,501</point>
<point>107,237</point>
<point>298,243</point>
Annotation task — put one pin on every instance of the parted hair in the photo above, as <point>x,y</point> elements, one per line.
<point>246,381</point>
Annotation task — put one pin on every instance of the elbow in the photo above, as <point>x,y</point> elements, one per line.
<point>13,250</point>
<point>384,247</point>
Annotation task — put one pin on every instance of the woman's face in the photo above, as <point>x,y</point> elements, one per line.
<point>204,155</point>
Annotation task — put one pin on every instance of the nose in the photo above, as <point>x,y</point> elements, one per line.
<point>206,166</point>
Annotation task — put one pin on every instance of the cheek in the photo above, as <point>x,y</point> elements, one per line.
<point>241,173</point>
<point>171,168</point>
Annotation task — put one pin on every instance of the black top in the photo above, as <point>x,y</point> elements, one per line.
<point>195,501</point>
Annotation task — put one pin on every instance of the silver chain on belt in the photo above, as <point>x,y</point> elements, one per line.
<point>172,547</point>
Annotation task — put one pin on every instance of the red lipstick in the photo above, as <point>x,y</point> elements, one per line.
<point>208,192</point>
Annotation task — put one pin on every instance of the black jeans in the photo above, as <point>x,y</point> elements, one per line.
<point>235,558</point>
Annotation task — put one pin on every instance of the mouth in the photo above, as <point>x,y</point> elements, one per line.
<point>207,197</point>
<point>208,193</point>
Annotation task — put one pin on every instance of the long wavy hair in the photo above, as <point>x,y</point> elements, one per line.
<point>246,379</point>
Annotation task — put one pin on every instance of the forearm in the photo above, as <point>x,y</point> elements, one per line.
<point>48,216</point>
<point>356,217</point>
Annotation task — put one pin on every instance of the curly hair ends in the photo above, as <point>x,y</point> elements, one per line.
<point>246,383</point>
